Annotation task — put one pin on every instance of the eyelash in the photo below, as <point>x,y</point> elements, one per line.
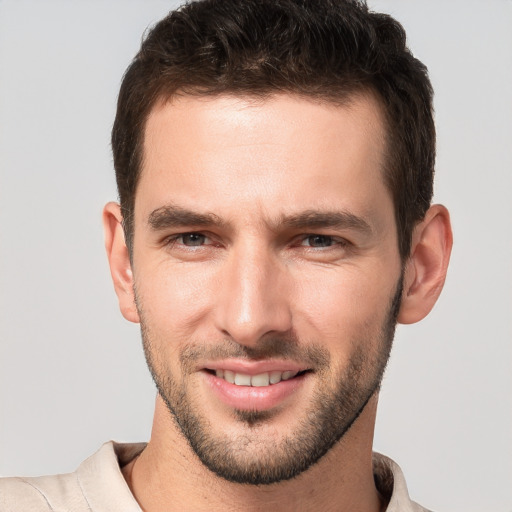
<point>334,241</point>
<point>174,240</point>
<point>330,240</point>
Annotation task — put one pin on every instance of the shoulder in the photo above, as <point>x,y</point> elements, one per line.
<point>390,482</point>
<point>97,484</point>
<point>46,493</point>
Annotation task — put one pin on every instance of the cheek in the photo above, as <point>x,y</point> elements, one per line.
<point>342,306</point>
<point>175,296</point>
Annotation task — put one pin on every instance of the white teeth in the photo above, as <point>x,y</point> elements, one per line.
<point>242,379</point>
<point>260,380</point>
<point>229,376</point>
<point>275,377</point>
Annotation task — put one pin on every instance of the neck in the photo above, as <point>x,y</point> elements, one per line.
<point>169,476</point>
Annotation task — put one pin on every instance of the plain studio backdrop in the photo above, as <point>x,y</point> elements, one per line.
<point>72,372</point>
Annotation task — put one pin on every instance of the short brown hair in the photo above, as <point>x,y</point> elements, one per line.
<point>324,49</point>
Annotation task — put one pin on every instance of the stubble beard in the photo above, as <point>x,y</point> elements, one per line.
<point>246,458</point>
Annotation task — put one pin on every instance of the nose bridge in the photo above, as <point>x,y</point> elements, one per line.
<point>254,300</point>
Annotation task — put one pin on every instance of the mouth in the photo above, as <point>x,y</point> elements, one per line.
<point>260,380</point>
<point>254,387</point>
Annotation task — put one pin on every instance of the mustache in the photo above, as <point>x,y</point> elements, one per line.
<point>272,347</point>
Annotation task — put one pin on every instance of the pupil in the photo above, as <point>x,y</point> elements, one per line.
<point>194,239</point>
<point>320,241</point>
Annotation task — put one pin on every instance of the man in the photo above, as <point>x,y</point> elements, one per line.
<point>274,162</point>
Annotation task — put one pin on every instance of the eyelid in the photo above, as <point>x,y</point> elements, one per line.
<point>336,240</point>
<point>174,238</point>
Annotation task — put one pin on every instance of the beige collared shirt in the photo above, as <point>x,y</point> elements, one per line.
<point>99,486</point>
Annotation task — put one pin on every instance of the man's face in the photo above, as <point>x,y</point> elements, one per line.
<point>267,275</point>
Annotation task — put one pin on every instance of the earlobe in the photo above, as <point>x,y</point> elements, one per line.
<point>425,271</point>
<point>119,261</point>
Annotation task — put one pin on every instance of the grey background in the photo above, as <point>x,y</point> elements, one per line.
<point>72,373</point>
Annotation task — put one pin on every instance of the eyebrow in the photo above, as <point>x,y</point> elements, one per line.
<point>173,216</point>
<point>312,219</point>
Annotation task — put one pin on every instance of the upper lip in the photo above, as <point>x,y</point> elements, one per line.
<point>254,367</point>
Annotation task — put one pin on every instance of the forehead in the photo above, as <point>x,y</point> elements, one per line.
<point>282,150</point>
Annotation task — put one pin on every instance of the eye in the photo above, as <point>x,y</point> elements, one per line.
<point>319,241</point>
<point>191,239</point>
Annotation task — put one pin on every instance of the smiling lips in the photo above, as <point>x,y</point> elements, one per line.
<point>252,388</point>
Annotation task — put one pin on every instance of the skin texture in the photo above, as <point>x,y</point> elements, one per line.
<point>294,261</point>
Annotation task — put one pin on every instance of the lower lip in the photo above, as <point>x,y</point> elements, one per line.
<point>253,398</point>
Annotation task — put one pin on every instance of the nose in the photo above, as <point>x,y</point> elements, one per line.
<point>254,297</point>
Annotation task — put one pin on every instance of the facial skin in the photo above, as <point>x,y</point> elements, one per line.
<point>265,241</point>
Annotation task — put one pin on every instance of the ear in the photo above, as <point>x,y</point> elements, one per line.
<point>119,260</point>
<point>425,271</point>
